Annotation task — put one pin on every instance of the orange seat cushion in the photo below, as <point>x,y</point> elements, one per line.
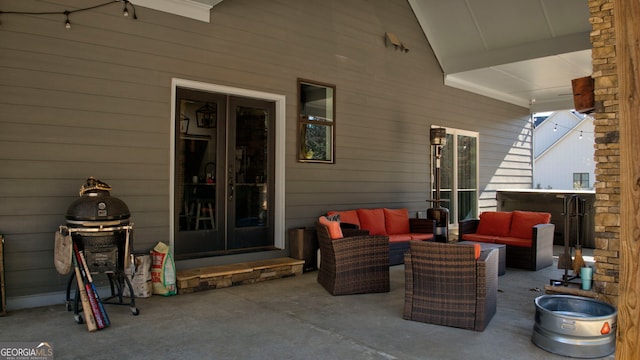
<point>496,223</point>
<point>347,216</point>
<point>335,232</point>
<point>522,223</point>
<point>512,241</point>
<point>481,238</point>
<point>372,220</point>
<point>396,221</point>
<point>399,237</point>
<point>421,236</point>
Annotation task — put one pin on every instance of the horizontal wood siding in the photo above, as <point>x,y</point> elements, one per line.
<point>95,101</point>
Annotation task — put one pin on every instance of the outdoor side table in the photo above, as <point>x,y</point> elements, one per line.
<point>502,253</point>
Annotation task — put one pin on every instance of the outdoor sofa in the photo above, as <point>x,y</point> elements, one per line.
<point>528,236</point>
<point>393,223</point>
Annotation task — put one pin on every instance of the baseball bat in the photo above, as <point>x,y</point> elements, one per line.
<point>84,299</point>
<point>90,294</point>
<point>94,307</point>
<point>96,298</point>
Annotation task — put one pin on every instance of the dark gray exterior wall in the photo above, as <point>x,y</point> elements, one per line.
<point>95,100</point>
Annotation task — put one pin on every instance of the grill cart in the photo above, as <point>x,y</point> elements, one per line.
<point>99,228</point>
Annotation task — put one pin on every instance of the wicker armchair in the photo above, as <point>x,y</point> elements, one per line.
<point>446,285</point>
<point>354,264</point>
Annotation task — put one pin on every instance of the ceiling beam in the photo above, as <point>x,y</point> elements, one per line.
<point>461,83</point>
<point>553,104</point>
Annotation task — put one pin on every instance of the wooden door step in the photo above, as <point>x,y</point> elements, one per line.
<point>221,276</point>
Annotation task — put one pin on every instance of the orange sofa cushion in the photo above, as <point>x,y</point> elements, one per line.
<point>512,241</point>
<point>421,236</point>
<point>399,237</point>
<point>396,221</point>
<point>348,216</point>
<point>495,223</point>
<point>372,220</point>
<point>522,223</point>
<point>481,238</point>
<point>335,232</point>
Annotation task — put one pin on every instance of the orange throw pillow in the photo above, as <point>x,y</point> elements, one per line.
<point>396,221</point>
<point>335,232</point>
<point>496,223</point>
<point>348,216</point>
<point>372,220</point>
<point>523,222</point>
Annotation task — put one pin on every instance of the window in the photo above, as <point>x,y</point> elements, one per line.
<point>459,175</point>
<point>580,181</point>
<point>316,121</point>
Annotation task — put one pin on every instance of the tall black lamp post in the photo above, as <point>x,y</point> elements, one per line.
<point>440,214</point>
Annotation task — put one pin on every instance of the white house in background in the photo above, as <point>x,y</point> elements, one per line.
<point>563,151</point>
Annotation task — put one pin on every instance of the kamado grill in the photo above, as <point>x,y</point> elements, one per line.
<point>99,227</point>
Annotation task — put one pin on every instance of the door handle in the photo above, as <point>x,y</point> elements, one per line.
<point>230,182</point>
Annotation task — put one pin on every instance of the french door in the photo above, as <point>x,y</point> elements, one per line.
<point>459,175</point>
<point>224,166</point>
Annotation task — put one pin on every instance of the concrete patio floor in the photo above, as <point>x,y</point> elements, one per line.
<point>291,318</point>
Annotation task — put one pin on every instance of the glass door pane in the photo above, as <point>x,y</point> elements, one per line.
<point>249,169</point>
<point>199,134</point>
<point>446,176</point>
<point>467,177</point>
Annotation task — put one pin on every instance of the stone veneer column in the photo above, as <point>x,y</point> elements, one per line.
<point>607,152</point>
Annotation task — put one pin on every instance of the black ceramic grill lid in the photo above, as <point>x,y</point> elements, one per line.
<point>97,204</point>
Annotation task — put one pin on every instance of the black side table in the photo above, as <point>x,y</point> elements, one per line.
<point>303,245</point>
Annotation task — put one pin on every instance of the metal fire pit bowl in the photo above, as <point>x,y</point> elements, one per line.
<point>574,326</point>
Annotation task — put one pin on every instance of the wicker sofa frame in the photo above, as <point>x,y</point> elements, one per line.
<point>398,242</point>
<point>535,257</point>
<point>397,249</point>
<point>446,285</point>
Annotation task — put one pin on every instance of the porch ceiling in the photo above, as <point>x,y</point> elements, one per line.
<point>524,52</point>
